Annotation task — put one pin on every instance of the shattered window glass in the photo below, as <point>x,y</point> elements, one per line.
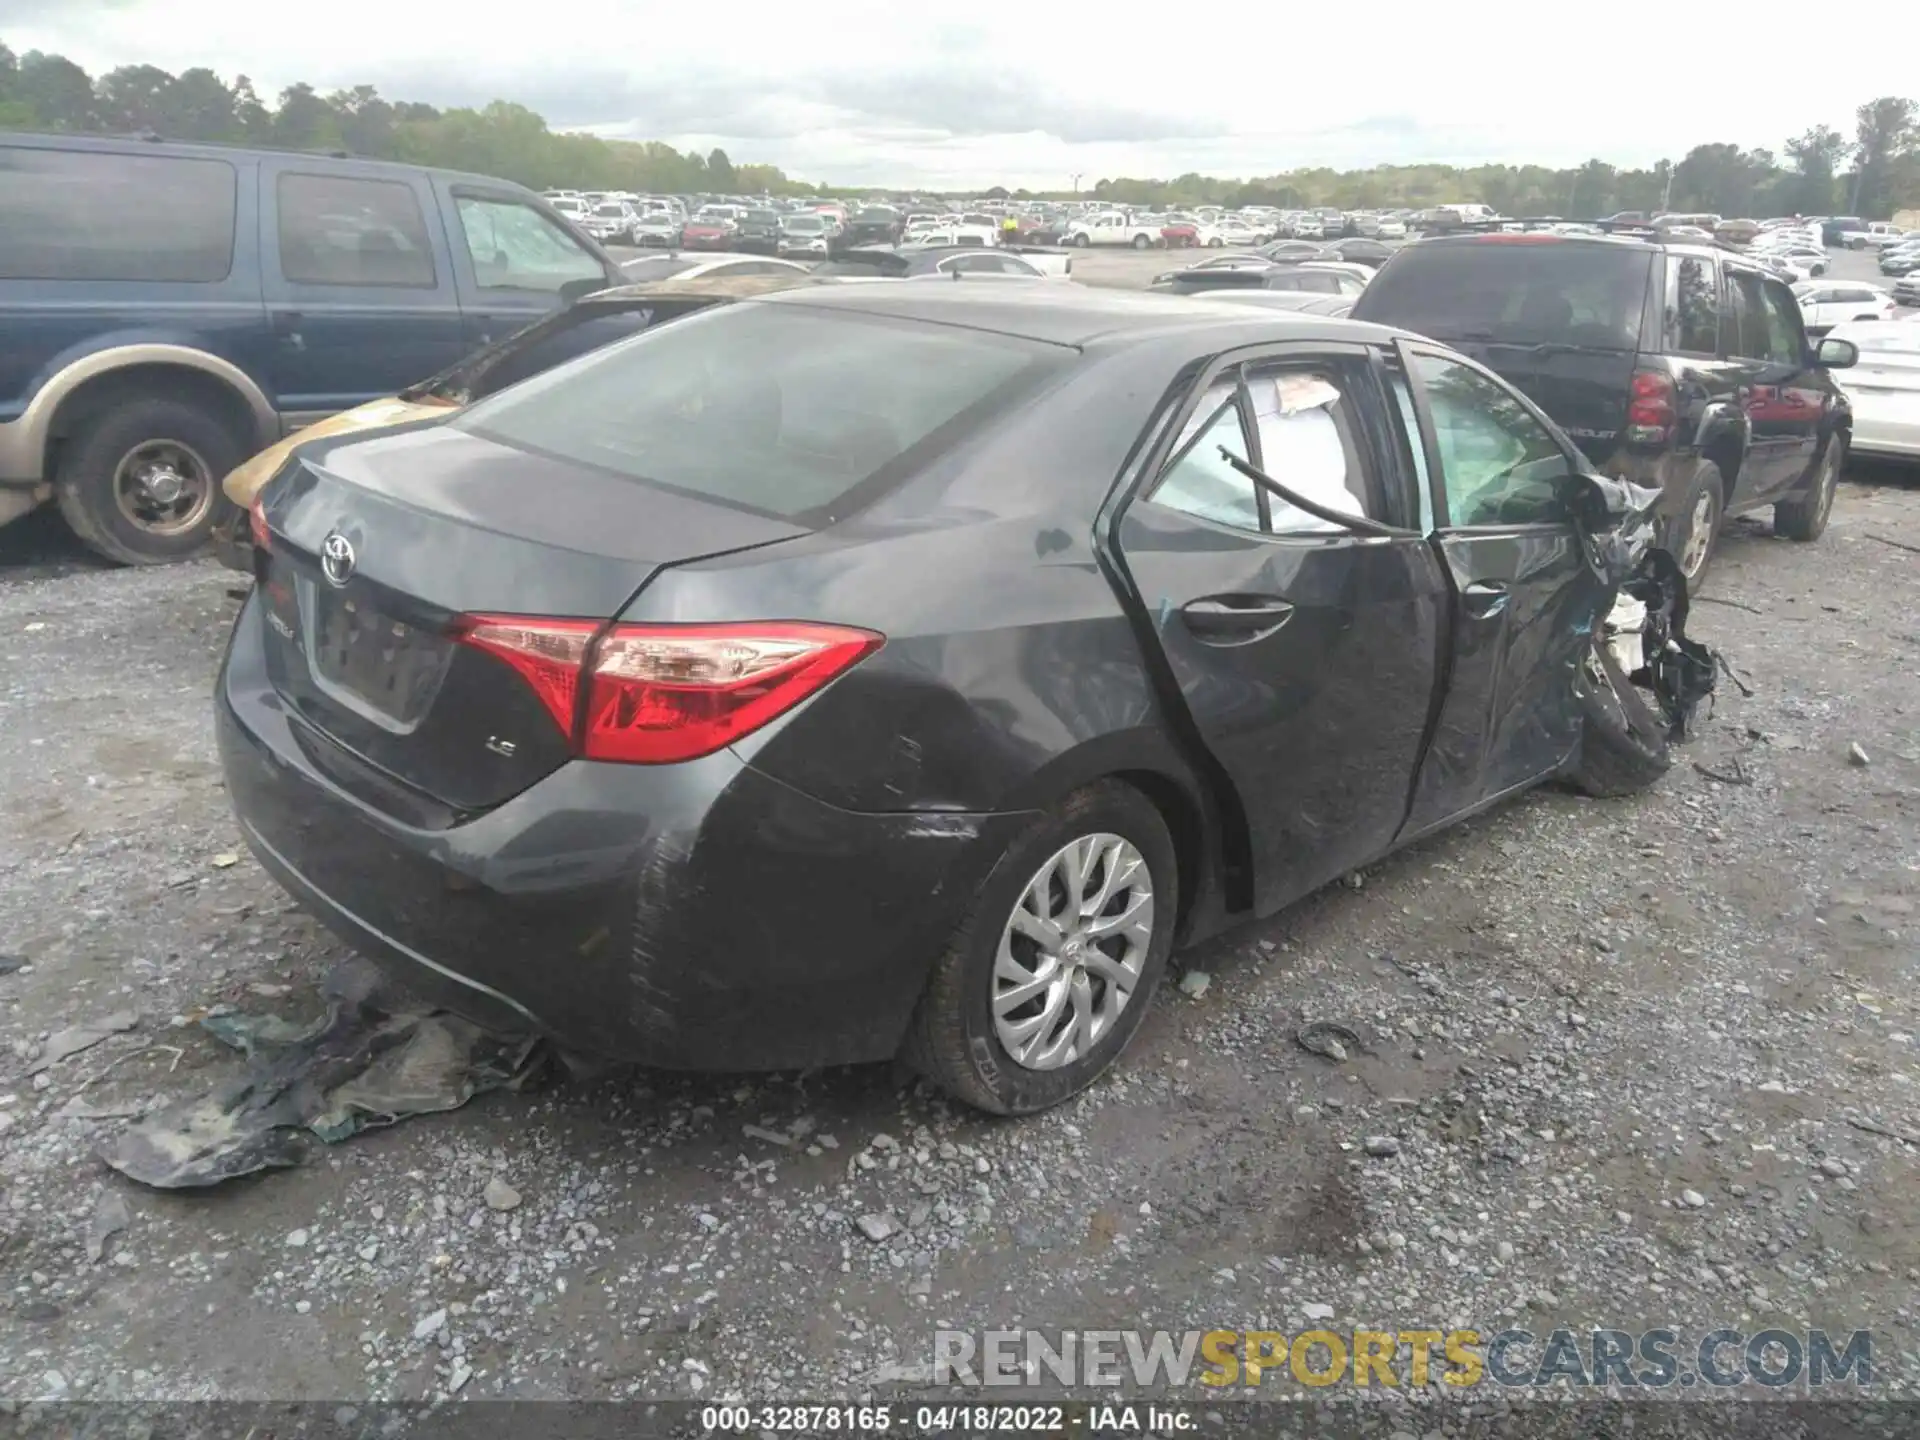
<point>1308,442</point>
<point>1499,465</point>
<point>1198,481</point>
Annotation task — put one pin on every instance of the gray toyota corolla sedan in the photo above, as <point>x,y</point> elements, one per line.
<point>879,669</point>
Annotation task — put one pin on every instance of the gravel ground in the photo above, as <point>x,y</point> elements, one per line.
<point>1626,1063</point>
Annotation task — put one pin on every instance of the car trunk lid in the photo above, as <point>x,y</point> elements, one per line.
<point>379,546</point>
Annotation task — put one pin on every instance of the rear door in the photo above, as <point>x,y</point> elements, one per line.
<point>1525,598</point>
<point>1304,656</point>
<point>512,260</point>
<point>359,296</point>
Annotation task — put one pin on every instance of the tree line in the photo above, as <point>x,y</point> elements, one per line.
<point>1873,172</point>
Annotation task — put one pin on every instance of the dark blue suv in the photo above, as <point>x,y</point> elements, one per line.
<point>168,309</point>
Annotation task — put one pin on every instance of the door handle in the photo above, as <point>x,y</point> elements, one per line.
<point>1486,598</point>
<point>286,324</point>
<point>1235,617</point>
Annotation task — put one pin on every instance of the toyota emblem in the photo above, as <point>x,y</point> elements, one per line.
<point>336,559</point>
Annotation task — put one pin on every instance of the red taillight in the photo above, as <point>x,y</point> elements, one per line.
<point>1650,408</point>
<point>257,524</point>
<point>663,693</point>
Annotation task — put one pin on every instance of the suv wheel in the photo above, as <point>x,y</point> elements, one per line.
<point>1697,531</point>
<point>1055,964</point>
<point>141,483</point>
<point>1804,517</point>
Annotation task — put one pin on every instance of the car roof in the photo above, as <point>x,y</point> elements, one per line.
<point>1075,315</point>
<point>333,161</point>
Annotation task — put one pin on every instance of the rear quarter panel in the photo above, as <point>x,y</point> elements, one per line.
<point>1011,673</point>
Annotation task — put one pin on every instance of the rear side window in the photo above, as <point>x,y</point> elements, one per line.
<point>84,215</point>
<point>1693,306</point>
<point>789,411</point>
<point>1526,293</point>
<point>339,230</point>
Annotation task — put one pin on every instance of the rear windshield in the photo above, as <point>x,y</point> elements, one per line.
<point>782,409</point>
<point>1531,293</point>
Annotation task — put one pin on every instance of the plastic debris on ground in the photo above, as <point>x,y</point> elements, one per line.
<point>374,1057</point>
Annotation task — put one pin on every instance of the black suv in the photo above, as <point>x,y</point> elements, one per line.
<point>1680,367</point>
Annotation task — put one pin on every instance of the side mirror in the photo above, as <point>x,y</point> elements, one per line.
<point>1836,354</point>
<point>575,290</point>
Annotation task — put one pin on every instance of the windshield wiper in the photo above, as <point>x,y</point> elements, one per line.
<point>1359,524</point>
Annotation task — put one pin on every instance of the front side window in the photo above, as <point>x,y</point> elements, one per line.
<point>1499,465</point>
<point>1743,327</point>
<point>1786,340</point>
<point>93,215</point>
<point>337,230</point>
<point>514,247</point>
<point>1693,306</point>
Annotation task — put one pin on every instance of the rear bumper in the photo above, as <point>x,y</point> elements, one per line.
<point>697,916</point>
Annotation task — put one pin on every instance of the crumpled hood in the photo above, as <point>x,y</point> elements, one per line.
<point>243,482</point>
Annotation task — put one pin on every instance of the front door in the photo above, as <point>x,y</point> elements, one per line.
<point>1784,401</point>
<point>1304,655</point>
<point>360,301</point>
<point>1524,596</point>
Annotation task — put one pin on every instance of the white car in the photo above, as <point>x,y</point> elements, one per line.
<point>1359,274</point>
<point>1827,303</point>
<point>680,265</point>
<point>953,235</point>
<point>1115,227</point>
<point>1879,233</point>
<point>1391,229</point>
<point>1801,257</point>
<point>1883,388</point>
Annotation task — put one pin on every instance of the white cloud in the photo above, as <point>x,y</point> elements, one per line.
<point>1035,93</point>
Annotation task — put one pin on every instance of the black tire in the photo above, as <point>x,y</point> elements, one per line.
<point>951,1039</point>
<point>1804,516</point>
<point>1143,242</point>
<point>86,481</point>
<point>1707,489</point>
<point>1623,746</point>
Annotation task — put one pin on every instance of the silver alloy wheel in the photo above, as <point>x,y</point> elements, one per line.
<point>163,487</point>
<point>1071,953</point>
<point>1828,482</point>
<point>1699,536</point>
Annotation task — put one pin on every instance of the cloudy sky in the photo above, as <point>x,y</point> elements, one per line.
<point>1035,92</point>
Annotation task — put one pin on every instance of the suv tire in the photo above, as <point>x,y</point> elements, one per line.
<point>1701,510</point>
<point>953,1038</point>
<point>1804,516</point>
<point>138,443</point>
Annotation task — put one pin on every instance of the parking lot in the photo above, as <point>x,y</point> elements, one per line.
<point>1633,1063</point>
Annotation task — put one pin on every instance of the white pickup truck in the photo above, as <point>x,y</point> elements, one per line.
<point>1878,234</point>
<point>1113,227</point>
